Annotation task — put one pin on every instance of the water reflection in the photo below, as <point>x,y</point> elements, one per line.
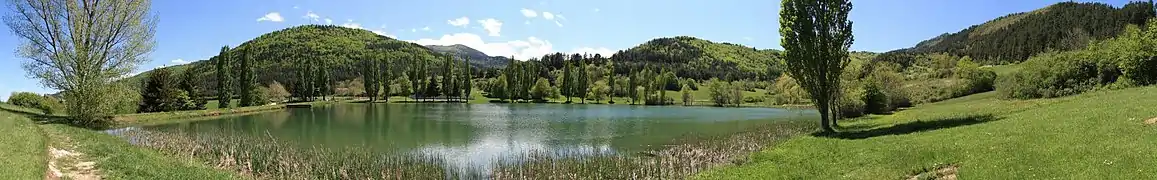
<point>474,137</point>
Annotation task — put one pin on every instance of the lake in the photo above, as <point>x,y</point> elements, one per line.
<point>474,136</point>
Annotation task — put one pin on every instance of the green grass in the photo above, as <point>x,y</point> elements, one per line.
<point>117,159</point>
<point>22,148</point>
<point>212,104</point>
<point>126,120</point>
<point>1097,135</point>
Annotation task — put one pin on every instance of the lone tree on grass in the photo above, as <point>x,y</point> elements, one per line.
<point>816,37</point>
<point>80,48</point>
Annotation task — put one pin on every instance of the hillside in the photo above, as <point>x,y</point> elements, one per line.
<point>477,58</point>
<point>1015,37</point>
<point>277,53</point>
<point>701,59</point>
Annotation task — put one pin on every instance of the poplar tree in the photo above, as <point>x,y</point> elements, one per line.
<point>248,79</point>
<point>816,37</point>
<point>224,77</point>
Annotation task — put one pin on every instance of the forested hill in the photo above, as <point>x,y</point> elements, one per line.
<point>340,49</point>
<point>700,59</point>
<point>1015,37</point>
<point>477,58</point>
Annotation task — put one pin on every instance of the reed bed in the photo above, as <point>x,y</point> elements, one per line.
<point>677,160</point>
<point>265,157</point>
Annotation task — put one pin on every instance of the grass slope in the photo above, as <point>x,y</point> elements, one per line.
<point>22,148</point>
<point>1097,135</point>
<point>117,159</point>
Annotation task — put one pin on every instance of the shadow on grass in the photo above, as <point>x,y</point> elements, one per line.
<point>912,127</point>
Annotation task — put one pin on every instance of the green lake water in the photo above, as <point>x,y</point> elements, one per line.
<point>476,135</point>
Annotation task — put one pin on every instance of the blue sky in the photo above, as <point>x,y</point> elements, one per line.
<point>196,30</point>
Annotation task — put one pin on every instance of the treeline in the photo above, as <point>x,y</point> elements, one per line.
<point>44,103</point>
<point>1060,27</point>
<point>1129,60</point>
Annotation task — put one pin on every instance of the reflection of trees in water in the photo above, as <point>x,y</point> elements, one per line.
<point>470,136</point>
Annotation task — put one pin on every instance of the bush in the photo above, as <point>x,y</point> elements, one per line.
<point>24,99</point>
<point>787,91</point>
<point>875,101</point>
<point>1127,60</point>
<point>850,104</point>
<point>1052,75</point>
<point>979,80</point>
<point>750,99</point>
<point>48,104</point>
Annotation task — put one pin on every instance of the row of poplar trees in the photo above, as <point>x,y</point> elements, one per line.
<point>422,79</point>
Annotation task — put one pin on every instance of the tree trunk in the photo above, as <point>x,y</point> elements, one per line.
<point>825,115</point>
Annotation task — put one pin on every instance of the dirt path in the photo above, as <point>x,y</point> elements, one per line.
<point>1151,121</point>
<point>65,162</point>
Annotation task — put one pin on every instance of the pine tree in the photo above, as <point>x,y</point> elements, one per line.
<point>224,78</point>
<point>189,85</point>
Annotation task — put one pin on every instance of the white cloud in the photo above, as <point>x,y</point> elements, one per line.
<point>273,16</point>
<point>493,27</point>
<point>560,16</point>
<point>296,7</point>
<point>413,30</point>
<point>179,61</point>
<point>379,31</point>
<point>587,50</point>
<point>352,24</point>
<point>328,21</point>
<point>529,13</point>
<point>520,49</point>
<point>313,17</point>
<point>557,23</point>
<point>527,22</point>
<point>547,15</point>
<point>461,22</point>
<point>427,28</point>
<point>597,10</point>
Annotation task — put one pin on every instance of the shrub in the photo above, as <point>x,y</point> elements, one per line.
<point>787,91</point>
<point>1051,75</point>
<point>47,104</point>
<point>24,99</point>
<point>750,99</point>
<point>850,104</point>
<point>875,101</point>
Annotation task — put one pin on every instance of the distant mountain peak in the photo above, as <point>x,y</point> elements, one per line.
<point>477,58</point>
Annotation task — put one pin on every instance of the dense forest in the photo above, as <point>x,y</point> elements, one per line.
<point>701,59</point>
<point>1015,37</point>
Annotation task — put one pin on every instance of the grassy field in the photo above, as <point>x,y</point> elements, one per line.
<point>22,148</point>
<point>1097,135</point>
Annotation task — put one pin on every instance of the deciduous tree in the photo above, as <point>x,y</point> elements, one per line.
<point>816,37</point>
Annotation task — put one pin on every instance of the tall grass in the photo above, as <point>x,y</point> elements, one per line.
<point>266,157</point>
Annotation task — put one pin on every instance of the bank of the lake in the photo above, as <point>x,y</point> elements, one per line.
<point>22,147</point>
<point>1096,135</point>
<point>78,153</point>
